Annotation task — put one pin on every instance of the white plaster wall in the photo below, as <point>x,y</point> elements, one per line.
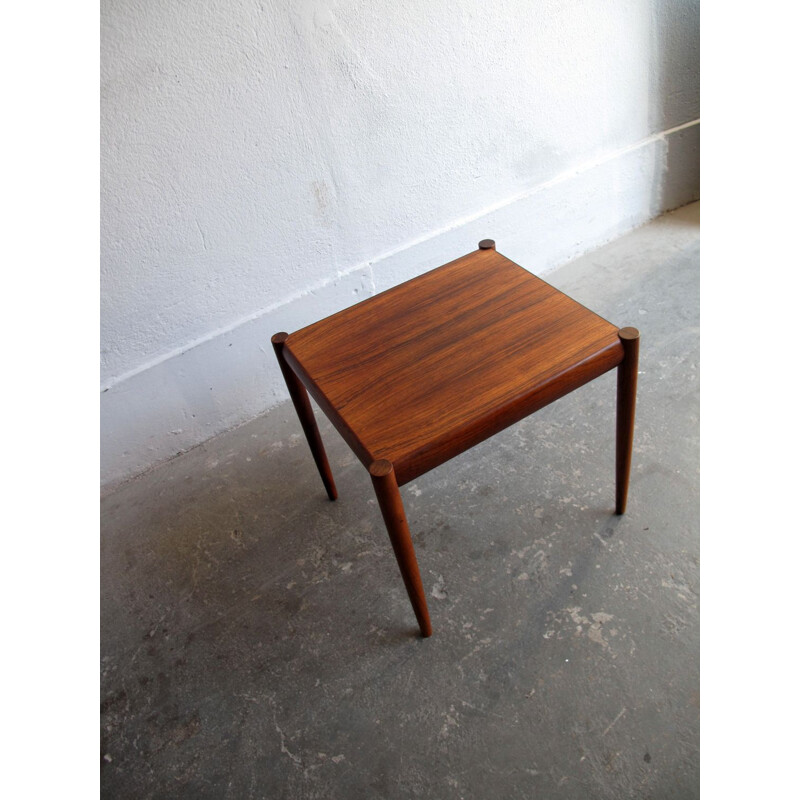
<point>268,163</point>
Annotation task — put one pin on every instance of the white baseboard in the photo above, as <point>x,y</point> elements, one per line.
<point>230,377</point>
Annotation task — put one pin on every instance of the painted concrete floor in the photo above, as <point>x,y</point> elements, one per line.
<point>257,641</point>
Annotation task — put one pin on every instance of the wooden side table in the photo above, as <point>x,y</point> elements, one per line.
<point>422,372</point>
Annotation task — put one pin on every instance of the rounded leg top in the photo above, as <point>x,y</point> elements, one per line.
<point>381,468</point>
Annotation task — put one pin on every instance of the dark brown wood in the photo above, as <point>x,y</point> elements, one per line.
<point>627,373</point>
<point>394,515</point>
<point>306,415</point>
<point>428,369</point>
<point>420,373</point>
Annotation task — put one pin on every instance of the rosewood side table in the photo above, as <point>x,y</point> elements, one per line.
<point>422,372</point>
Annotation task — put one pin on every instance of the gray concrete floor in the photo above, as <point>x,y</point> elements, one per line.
<point>257,641</point>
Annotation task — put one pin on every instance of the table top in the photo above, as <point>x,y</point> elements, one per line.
<point>429,368</point>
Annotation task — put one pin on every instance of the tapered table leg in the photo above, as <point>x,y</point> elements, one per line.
<point>394,515</point>
<point>627,373</point>
<point>302,405</point>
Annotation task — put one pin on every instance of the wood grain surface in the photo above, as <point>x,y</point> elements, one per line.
<point>424,371</point>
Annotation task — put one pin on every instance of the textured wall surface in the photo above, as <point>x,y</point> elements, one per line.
<point>267,163</point>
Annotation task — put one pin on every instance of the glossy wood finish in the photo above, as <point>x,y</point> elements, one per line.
<point>428,369</point>
<point>627,374</point>
<point>394,516</point>
<point>420,373</point>
<point>306,415</point>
